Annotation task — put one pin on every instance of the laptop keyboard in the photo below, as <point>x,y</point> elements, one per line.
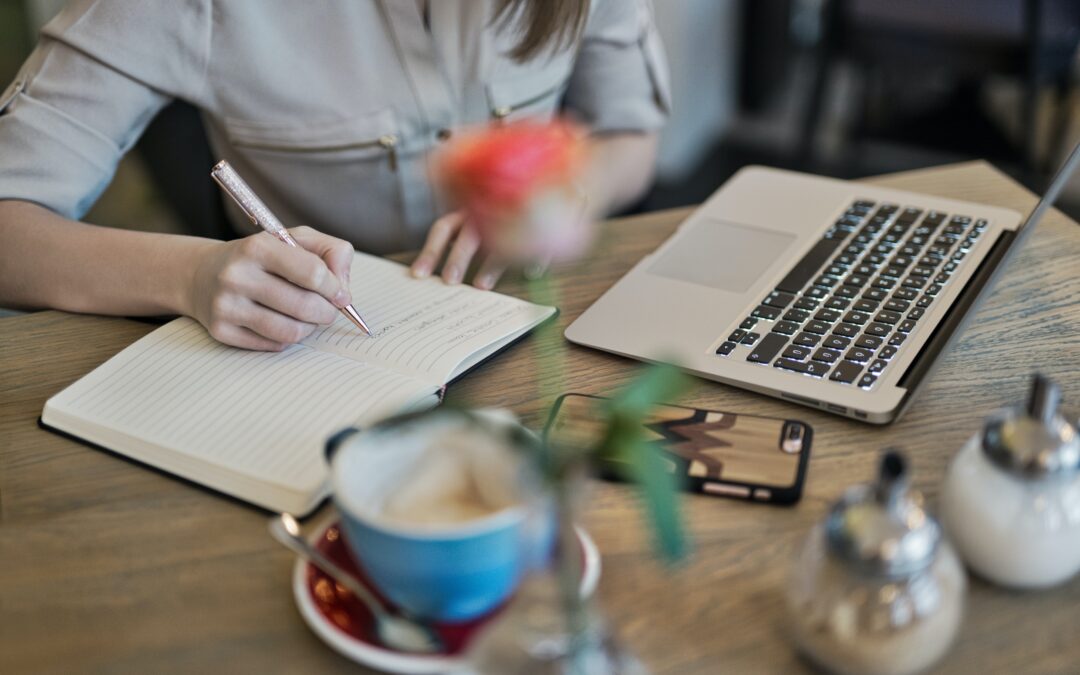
<point>845,309</point>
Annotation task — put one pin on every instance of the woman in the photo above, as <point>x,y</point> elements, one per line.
<point>330,110</point>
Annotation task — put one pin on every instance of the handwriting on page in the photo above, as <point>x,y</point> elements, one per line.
<point>422,327</point>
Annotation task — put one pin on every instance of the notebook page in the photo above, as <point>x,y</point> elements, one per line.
<point>423,327</point>
<point>263,416</point>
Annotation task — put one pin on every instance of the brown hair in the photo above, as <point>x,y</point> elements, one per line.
<point>542,24</point>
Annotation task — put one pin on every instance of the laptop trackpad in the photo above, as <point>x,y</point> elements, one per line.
<point>722,255</point>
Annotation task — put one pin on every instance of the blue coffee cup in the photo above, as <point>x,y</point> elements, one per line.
<point>443,571</point>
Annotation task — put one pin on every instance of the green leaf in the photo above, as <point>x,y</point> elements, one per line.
<point>626,449</point>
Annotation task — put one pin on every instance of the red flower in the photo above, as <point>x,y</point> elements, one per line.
<point>497,175</point>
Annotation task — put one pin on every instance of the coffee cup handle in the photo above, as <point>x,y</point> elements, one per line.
<point>336,441</point>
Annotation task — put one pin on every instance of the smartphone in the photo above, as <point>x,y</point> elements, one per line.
<point>717,453</point>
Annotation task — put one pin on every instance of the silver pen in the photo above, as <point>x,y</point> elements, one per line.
<point>260,215</point>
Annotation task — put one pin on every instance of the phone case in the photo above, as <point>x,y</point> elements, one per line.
<point>717,453</point>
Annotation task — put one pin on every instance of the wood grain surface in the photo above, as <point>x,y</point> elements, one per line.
<point>109,567</point>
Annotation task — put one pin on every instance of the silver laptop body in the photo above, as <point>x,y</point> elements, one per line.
<point>778,284</point>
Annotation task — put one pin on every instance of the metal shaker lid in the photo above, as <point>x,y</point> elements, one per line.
<point>1034,441</point>
<point>882,529</point>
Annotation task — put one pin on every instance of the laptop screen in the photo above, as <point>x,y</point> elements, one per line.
<point>1068,168</point>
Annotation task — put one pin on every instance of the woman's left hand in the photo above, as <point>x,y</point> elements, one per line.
<point>454,237</point>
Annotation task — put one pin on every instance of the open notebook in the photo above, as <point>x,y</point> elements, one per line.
<point>253,424</point>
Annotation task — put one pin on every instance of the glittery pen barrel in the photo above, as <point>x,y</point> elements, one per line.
<point>261,215</point>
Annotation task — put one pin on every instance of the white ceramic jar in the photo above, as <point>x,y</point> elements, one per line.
<point>1011,499</point>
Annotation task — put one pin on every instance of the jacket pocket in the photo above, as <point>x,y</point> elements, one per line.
<point>372,136</point>
<point>340,177</point>
<point>536,94</point>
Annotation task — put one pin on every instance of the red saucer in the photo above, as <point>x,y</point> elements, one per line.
<point>346,624</point>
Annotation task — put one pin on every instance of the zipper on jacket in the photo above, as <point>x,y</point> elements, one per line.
<point>387,142</point>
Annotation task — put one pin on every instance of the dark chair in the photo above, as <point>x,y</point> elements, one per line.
<point>1032,41</point>
<point>177,155</point>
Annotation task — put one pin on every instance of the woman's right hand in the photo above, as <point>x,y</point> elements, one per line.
<point>258,293</point>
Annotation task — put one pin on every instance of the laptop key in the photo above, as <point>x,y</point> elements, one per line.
<point>888,316</point>
<point>767,348</point>
<point>814,368</point>
<point>877,294</point>
<point>725,348</point>
<point>857,318</point>
<point>914,282</point>
<point>805,339</point>
<point>819,327</point>
<point>809,304</point>
<point>826,355</point>
<point>750,338</point>
<point>785,327</point>
<point>796,315</point>
<point>867,381</point>
<point>897,339</point>
<point>877,366</point>
<point>859,355</point>
<point>924,301</point>
<point>933,289</point>
<point>815,292</point>
<point>778,299</point>
<point>808,266</point>
<point>737,335</point>
<point>797,352</point>
<point>906,326</point>
<point>828,315</point>
<point>857,280</point>
<point>836,342</point>
<point>887,352</point>
<point>837,302</point>
<point>896,305</point>
<point>868,342</point>
<point>878,329</point>
<point>846,329</point>
<point>916,313</point>
<point>864,305</point>
<point>766,312</point>
<point>905,294</point>
<point>846,372</point>
<point>847,291</point>
<point>748,323</point>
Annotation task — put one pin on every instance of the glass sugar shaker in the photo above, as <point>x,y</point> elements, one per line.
<point>1011,499</point>
<point>876,588</point>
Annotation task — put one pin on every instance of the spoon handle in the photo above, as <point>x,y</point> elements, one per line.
<point>312,554</point>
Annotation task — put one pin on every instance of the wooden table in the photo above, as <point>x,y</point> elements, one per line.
<point>106,566</point>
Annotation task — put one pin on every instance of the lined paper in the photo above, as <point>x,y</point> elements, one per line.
<point>424,328</point>
<point>263,415</point>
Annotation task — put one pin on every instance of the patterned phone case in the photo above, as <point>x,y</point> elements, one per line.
<point>717,453</point>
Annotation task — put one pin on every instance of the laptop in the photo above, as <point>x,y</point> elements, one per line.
<point>831,294</point>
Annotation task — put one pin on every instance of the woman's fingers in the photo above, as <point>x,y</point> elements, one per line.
<point>439,237</point>
<point>245,338</point>
<point>465,247</point>
<point>286,298</point>
<point>336,253</point>
<point>271,325</point>
<point>489,273</point>
<point>299,266</point>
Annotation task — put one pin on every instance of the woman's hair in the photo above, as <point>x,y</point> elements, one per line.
<point>543,24</point>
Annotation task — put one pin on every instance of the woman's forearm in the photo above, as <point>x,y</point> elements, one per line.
<point>620,170</point>
<point>49,261</point>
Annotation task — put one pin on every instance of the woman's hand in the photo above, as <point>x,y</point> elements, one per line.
<point>452,233</point>
<point>259,293</point>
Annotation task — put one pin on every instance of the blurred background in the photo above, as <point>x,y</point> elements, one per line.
<point>846,88</point>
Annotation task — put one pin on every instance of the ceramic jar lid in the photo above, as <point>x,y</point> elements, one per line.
<point>1034,442</point>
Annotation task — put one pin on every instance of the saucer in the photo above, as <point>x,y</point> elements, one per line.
<point>345,623</point>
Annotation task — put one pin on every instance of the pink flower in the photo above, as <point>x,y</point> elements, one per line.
<point>517,184</point>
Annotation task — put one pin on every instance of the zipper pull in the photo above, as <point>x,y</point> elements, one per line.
<point>501,113</point>
<point>389,142</point>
